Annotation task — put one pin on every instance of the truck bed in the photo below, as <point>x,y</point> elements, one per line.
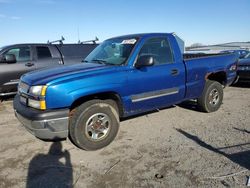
<point>199,65</point>
<point>201,55</point>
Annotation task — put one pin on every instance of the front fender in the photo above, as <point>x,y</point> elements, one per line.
<point>64,97</point>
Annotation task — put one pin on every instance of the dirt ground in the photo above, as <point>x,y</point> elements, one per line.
<point>175,147</point>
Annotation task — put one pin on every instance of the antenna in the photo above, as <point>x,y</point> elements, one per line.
<point>60,41</point>
<point>87,41</point>
<point>78,38</point>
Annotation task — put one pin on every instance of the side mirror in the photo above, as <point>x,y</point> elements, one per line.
<point>144,61</point>
<point>9,58</point>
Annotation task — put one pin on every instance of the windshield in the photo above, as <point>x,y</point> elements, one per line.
<point>3,47</point>
<point>247,56</point>
<point>113,51</point>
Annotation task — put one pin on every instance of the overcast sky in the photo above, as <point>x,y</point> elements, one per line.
<point>195,21</point>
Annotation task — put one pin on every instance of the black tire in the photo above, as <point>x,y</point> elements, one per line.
<point>211,98</point>
<point>83,114</point>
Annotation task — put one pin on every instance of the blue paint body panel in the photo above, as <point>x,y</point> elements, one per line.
<point>69,83</point>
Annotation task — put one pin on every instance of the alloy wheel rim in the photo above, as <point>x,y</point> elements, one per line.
<point>98,126</point>
<point>214,97</point>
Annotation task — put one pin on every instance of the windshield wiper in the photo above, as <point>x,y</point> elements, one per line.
<point>85,61</point>
<point>102,61</point>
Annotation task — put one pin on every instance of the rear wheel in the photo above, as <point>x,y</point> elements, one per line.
<point>94,124</point>
<point>212,97</point>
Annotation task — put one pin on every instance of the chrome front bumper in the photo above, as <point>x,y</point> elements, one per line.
<point>49,129</point>
<point>47,125</point>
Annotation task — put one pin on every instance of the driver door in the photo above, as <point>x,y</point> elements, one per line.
<point>160,85</point>
<point>11,72</point>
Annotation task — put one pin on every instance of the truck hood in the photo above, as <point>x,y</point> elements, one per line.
<point>52,75</point>
<point>243,62</point>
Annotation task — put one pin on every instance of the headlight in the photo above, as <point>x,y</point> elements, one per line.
<point>38,90</point>
<point>39,93</point>
<point>233,67</point>
<point>37,104</point>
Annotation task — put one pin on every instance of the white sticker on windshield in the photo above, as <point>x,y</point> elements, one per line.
<point>129,41</point>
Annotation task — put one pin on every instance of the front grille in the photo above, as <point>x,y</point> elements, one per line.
<point>244,67</point>
<point>23,87</point>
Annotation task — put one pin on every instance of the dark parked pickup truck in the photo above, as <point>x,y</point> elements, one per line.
<point>243,71</point>
<point>18,59</point>
<point>123,76</point>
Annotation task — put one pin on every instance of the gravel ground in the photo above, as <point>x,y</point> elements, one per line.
<point>175,147</point>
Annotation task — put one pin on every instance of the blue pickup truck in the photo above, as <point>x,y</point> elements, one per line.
<point>123,76</point>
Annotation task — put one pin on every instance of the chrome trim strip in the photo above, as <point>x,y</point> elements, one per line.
<point>48,120</point>
<point>154,94</point>
<point>6,94</point>
<point>11,83</point>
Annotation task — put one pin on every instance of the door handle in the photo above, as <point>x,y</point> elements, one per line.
<point>174,72</point>
<point>29,64</point>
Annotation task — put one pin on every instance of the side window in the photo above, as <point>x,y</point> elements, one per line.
<point>21,53</point>
<point>43,52</point>
<point>160,49</point>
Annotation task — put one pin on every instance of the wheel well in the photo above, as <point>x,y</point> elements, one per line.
<point>102,96</point>
<point>220,77</point>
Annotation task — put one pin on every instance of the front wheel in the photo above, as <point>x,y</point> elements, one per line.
<point>212,96</point>
<point>94,124</point>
